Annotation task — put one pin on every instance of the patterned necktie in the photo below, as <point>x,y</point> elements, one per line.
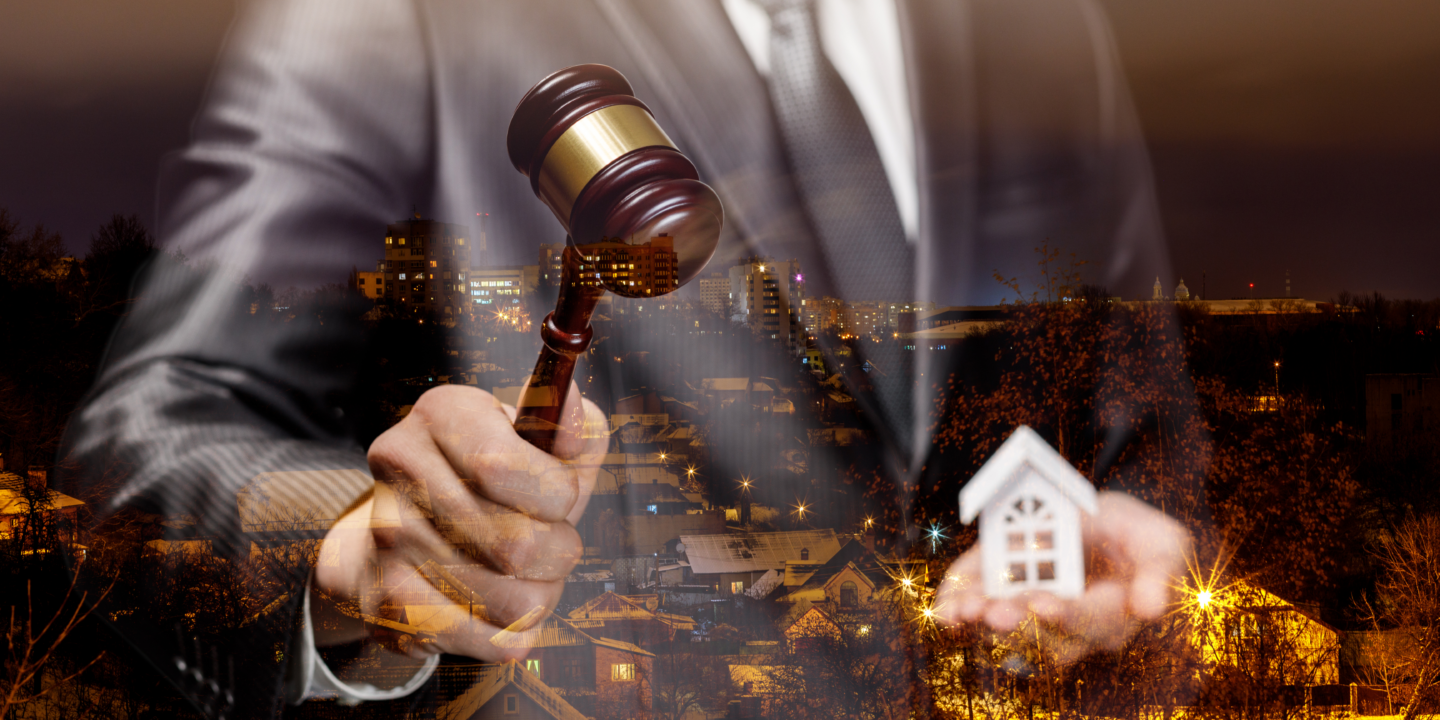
<point>846,195</point>
<point>835,164</point>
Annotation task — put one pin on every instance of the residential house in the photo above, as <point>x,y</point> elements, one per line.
<point>598,676</point>
<point>509,691</point>
<point>1246,626</point>
<point>621,618</point>
<point>57,509</point>
<point>735,561</point>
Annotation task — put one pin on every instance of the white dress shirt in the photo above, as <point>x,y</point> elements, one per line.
<point>861,38</point>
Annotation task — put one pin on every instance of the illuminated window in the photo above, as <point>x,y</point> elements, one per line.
<point>389,241</point>
<point>432,264</point>
<point>402,276</point>
<point>622,671</point>
<point>402,241</point>
<point>459,241</point>
<point>737,587</point>
<point>533,666</point>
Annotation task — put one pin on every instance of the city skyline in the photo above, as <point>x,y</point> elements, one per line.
<point>1276,146</point>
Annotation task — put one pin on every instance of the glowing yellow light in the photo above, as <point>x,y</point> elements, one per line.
<point>1203,598</point>
<point>905,581</point>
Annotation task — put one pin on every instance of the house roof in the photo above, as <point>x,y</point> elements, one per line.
<point>495,678</point>
<point>621,645</point>
<point>809,620</point>
<point>766,584</point>
<point>852,553</point>
<point>12,500</point>
<point>609,606</point>
<point>756,552</point>
<point>554,631</point>
<point>1024,448</point>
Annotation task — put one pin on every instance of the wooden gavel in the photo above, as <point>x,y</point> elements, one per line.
<point>639,222</point>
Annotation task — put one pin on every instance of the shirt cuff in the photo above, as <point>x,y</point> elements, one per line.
<point>311,678</point>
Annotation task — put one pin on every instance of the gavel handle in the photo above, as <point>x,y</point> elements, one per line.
<point>566,334</point>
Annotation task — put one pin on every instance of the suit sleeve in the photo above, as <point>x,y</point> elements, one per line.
<point>315,133</point>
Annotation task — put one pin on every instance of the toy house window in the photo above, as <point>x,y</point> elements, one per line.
<point>804,553</point>
<point>848,596</point>
<point>622,671</point>
<point>512,704</point>
<point>533,666</point>
<point>1029,524</point>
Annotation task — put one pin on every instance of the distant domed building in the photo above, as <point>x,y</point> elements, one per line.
<point>1182,292</point>
<point>1159,290</point>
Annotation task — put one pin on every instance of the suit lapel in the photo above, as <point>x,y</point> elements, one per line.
<point>696,76</point>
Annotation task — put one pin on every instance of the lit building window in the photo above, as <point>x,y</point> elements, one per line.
<point>622,671</point>
<point>402,276</point>
<point>533,666</point>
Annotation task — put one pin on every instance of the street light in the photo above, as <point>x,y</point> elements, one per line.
<point>1277,383</point>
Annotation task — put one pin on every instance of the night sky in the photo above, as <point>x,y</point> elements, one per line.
<point>1299,135</point>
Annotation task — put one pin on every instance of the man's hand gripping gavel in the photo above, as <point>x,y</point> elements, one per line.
<point>486,496</point>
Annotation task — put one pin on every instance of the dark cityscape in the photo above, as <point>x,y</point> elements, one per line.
<point>278,444</point>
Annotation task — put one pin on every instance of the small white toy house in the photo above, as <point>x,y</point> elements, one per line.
<point>1029,500</point>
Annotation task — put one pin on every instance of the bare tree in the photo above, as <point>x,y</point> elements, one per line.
<point>31,644</point>
<point>1408,596</point>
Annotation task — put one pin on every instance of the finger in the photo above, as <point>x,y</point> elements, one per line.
<point>498,599</point>
<point>478,440</point>
<point>581,424</point>
<point>961,596</point>
<point>1148,546</point>
<point>450,627</point>
<point>510,542</point>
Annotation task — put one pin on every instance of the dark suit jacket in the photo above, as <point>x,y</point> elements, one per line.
<point>327,119</point>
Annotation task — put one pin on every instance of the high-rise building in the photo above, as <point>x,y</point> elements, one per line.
<point>867,318</point>
<point>715,293</point>
<point>643,270</point>
<point>552,268</point>
<point>895,309</point>
<point>502,287</point>
<point>426,262</point>
<point>372,284</point>
<point>767,295</point>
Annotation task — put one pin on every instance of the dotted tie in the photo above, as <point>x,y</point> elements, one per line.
<point>835,164</point>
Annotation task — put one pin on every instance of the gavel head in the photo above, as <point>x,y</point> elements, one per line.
<point>616,182</point>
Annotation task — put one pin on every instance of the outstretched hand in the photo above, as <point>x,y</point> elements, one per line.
<point>1135,555</point>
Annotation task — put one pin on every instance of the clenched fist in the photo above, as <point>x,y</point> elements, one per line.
<point>456,487</point>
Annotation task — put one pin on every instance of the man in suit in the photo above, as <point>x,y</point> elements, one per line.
<point>971,132</point>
